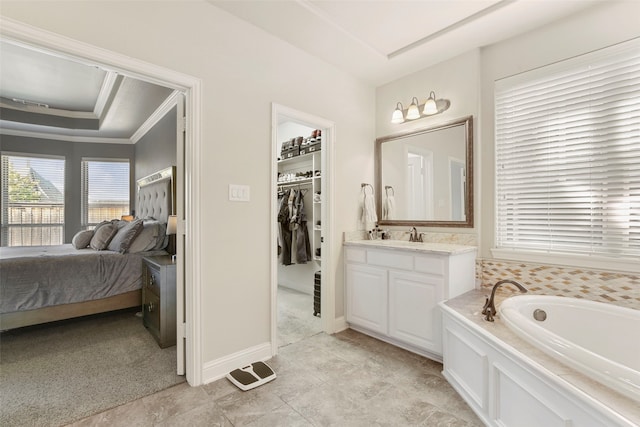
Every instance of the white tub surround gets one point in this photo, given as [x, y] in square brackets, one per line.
[508, 381]
[393, 289]
[597, 339]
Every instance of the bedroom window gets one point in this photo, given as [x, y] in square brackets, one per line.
[105, 190]
[568, 160]
[32, 200]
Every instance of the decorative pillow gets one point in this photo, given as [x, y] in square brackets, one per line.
[162, 240]
[125, 235]
[82, 239]
[152, 237]
[102, 235]
[101, 224]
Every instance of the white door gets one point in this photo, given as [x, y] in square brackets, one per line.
[180, 238]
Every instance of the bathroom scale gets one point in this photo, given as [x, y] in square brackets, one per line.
[251, 376]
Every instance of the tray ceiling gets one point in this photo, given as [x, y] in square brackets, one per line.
[50, 96]
[382, 40]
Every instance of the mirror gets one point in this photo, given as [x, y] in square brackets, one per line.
[425, 177]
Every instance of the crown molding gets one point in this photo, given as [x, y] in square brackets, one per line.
[66, 138]
[37, 109]
[157, 115]
[106, 91]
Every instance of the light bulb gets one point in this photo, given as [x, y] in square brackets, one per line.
[413, 112]
[430, 106]
[398, 114]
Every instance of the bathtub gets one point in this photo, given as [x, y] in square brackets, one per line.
[600, 340]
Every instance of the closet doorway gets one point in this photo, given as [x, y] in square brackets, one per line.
[302, 292]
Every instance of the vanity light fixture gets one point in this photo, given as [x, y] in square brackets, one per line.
[413, 112]
[416, 111]
[430, 107]
[398, 114]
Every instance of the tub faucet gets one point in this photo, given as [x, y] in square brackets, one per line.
[489, 309]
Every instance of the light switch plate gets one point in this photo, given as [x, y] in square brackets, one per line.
[239, 193]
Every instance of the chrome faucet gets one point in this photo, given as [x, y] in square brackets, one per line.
[489, 309]
[414, 236]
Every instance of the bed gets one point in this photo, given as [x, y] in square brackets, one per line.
[48, 283]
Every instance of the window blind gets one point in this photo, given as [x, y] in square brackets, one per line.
[32, 200]
[105, 190]
[568, 156]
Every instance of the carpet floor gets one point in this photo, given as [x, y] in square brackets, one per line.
[60, 372]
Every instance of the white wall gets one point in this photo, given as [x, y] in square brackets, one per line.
[243, 71]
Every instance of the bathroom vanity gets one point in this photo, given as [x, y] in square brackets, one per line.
[393, 289]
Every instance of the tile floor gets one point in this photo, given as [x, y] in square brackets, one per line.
[346, 379]
[295, 317]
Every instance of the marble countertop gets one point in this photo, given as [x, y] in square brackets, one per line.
[426, 247]
[468, 307]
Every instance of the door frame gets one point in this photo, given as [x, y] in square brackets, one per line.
[327, 296]
[192, 88]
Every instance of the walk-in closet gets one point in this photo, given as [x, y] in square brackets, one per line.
[299, 217]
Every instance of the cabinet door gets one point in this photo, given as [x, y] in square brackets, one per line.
[367, 297]
[414, 316]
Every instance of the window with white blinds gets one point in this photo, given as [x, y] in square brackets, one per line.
[568, 156]
[105, 190]
[32, 200]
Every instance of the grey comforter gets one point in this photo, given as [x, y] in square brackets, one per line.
[42, 276]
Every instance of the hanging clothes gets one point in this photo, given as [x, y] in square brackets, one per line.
[303, 245]
[284, 223]
[293, 231]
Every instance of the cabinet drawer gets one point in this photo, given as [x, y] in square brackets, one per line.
[430, 264]
[151, 313]
[391, 259]
[151, 278]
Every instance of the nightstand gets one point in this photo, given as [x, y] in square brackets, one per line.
[159, 298]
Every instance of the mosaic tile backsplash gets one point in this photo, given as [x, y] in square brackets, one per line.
[614, 288]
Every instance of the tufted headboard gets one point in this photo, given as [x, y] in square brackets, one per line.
[156, 195]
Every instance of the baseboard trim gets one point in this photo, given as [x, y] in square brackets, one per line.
[219, 368]
[340, 324]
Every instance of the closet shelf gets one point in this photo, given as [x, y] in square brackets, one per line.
[295, 182]
[300, 158]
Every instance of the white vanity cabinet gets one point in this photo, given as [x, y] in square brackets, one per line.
[414, 316]
[392, 292]
[367, 297]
